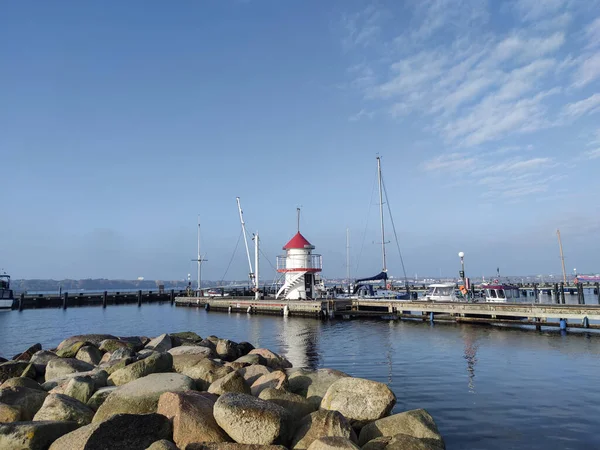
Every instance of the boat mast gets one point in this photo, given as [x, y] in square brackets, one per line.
[199, 261]
[384, 269]
[562, 257]
[348, 255]
[251, 274]
[256, 249]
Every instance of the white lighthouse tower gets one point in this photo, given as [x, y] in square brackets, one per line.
[300, 267]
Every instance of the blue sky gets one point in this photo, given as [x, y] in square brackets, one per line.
[122, 121]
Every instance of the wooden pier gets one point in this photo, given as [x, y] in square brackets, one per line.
[519, 314]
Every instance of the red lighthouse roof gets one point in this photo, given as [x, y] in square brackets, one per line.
[298, 241]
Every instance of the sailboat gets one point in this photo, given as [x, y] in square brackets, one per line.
[363, 287]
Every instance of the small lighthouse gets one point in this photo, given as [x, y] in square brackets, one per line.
[300, 267]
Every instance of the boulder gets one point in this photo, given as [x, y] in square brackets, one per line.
[13, 369]
[318, 425]
[9, 413]
[112, 366]
[71, 350]
[120, 353]
[251, 359]
[120, 432]
[212, 338]
[21, 382]
[60, 367]
[98, 376]
[253, 373]
[359, 400]
[296, 405]
[192, 350]
[206, 372]
[243, 348]
[232, 382]
[227, 350]
[141, 396]
[212, 344]
[417, 423]
[181, 362]
[161, 343]
[333, 443]
[41, 359]
[80, 388]
[99, 396]
[112, 345]
[89, 354]
[32, 435]
[91, 338]
[191, 414]
[274, 361]
[187, 335]
[27, 354]
[145, 353]
[64, 408]
[403, 442]
[232, 446]
[158, 363]
[249, 420]
[27, 399]
[313, 384]
[136, 342]
[275, 380]
[163, 444]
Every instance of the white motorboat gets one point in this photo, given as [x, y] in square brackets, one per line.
[6, 293]
[503, 293]
[442, 292]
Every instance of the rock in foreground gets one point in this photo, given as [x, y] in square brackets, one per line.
[33, 435]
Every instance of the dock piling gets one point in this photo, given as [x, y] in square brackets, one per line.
[21, 301]
[65, 300]
[140, 297]
[562, 293]
[563, 325]
[172, 296]
[104, 299]
[536, 294]
[598, 292]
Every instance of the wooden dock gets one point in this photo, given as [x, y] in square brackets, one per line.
[535, 314]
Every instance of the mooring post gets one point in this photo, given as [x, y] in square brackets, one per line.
[557, 298]
[536, 294]
[65, 300]
[172, 296]
[563, 324]
[586, 322]
[431, 317]
[538, 327]
[140, 297]
[562, 293]
[580, 299]
[598, 291]
[104, 299]
[21, 301]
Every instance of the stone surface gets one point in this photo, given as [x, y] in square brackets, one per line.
[251, 359]
[12, 369]
[60, 367]
[80, 388]
[274, 361]
[9, 413]
[403, 442]
[120, 432]
[27, 399]
[27, 354]
[89, 354]
[187, 335]
[136, 342]
[206, 372]
[141, 396]
[98, 376]
[333, 443]
[359, 400]
[65, 408]
[71, 350]
[191, 414]
[99, 396]
[232, 382]
[249, 420]
[275, 380]
[192, 350]
[318, 425]
[313, 384]
[32, 435]
[163, 444]
[417, 423]
[160, 343]
[181, 362]
[40, 359]
[296, 405]
[112, 345]
[243, 348]
[120, 353]
[227, 350]
[253, 373]
[91, 338]
[232, 446]
[21, 382]
[157, 363]
[112, 366]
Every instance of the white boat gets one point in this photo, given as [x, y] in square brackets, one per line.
[442, 292]
[503, 293]
[6, 293]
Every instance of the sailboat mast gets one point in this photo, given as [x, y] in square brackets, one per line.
[251, 274]
[381, 215]
[199, 257]
[348, 255]
[562, 257]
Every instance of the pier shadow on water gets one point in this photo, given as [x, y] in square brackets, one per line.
[487, 387]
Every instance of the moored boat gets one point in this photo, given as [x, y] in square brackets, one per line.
[442, 292]
[503, 293]
[6, 293]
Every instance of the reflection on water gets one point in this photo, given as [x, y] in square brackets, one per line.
[487, 387]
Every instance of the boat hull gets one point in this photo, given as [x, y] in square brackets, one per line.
[6, 303]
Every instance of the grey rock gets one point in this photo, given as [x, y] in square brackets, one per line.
[41, 359]
[32, 435]
[318, 425]
[181, 362]
[206, 372]
[274, 361]
[251, 359]
[95, 339]
[27, 399]
[99, 396]
[161, 343]
[333, 443]
[9, 413]
[231, 446]
[121, 353]
[98, 376]
[80, 388]
[296, 405]
[60, 367]
[27, 354]
[21, 382]
[64, 408]
[13, 369]
[163, 444]
[253, 373]
[157, 363]
[89, 354]
[275, 380]
[232, 382]
[227, 350]
[192, 350]
[313, 384]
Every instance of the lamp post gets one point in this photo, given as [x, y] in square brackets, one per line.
[461, 255]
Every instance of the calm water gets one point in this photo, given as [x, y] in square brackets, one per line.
[487, 387]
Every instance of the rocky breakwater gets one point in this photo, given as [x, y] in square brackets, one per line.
[180, 391]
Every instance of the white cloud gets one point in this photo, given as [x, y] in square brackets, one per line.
[450, 162]
[588, 71]
[592, 154]
[362, 28]
[589, 105]
[530, 10]
[363, 113]
[592, 32]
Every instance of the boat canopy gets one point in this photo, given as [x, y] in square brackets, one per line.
[380, 276]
